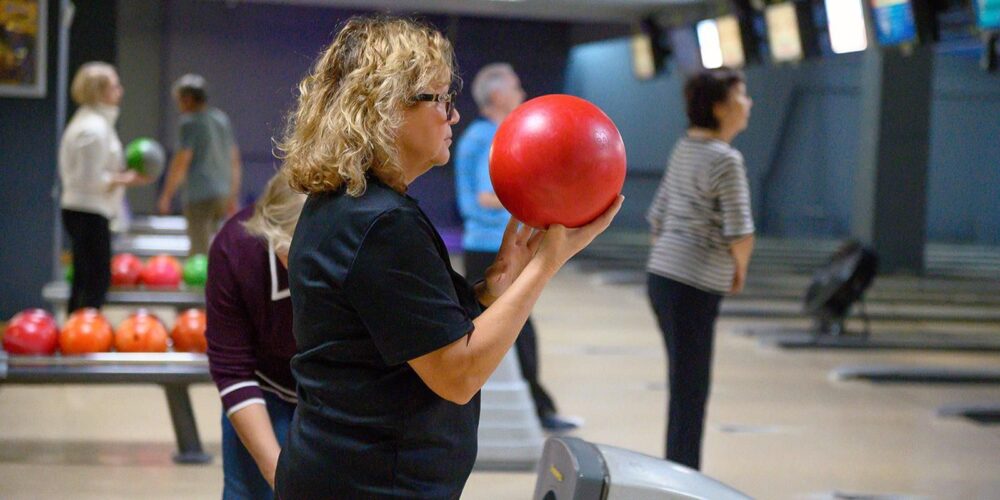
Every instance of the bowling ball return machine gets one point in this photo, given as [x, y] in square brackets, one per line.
[574, 469]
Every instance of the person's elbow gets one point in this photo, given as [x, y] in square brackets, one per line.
[460, 395]
[450, 377]
[458, 387]
[741, 239]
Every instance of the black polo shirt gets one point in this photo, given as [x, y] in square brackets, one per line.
[372, 288]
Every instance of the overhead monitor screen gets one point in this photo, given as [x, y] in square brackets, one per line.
[731, 41]
[846, 20]
[708, 43]
[643, 59]
[988, 12]
[720, 42]
[783, 32]
[894, 23]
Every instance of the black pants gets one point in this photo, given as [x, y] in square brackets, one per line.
[686, 316]
[526, 344]
[90, 240]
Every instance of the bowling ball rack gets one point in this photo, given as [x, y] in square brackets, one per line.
[56, 293]
[174, 372]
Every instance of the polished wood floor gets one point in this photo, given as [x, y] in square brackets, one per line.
[778, 427]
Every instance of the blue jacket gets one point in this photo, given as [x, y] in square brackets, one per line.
[483, 226]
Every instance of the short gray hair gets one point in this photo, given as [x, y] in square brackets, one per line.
[191, 85]
[491, 77]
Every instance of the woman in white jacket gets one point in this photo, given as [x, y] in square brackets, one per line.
[93, 176]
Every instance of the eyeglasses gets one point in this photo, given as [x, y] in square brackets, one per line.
[448, 100]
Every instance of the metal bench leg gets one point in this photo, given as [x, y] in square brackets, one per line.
[182, 417]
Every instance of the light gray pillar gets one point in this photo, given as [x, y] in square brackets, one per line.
[140, 56]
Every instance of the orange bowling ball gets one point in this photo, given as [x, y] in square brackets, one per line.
[85, 331]
[141, 332]
[189, 332]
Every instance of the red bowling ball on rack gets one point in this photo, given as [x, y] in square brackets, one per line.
[557, 159]
[32, 331]
[162, 271]
[125, 270]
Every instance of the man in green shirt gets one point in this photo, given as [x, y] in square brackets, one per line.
[206, 164]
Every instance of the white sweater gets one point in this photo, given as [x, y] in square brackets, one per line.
[90, 154]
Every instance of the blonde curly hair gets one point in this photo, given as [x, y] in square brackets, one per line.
[351, 105]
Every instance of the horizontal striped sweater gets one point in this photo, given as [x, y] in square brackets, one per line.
[701, 207]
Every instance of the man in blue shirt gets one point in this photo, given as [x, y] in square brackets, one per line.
[497, 91]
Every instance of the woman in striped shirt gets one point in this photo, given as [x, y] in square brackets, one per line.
[702, 232]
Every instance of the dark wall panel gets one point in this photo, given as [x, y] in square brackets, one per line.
[27, 174]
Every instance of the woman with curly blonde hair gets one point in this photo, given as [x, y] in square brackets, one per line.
[393, 344]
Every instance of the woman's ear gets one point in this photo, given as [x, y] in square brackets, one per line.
[719, 111]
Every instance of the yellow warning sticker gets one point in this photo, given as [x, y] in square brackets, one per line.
[555, 473]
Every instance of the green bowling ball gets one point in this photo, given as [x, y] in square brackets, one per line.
[196, 270]
[145, 156]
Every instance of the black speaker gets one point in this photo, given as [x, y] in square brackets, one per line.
[650, 49]
[991, 52]
[839, 284]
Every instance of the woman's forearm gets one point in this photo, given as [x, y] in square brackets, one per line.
[498, 327]
[253, 425]
[458, 371]
[741, 250]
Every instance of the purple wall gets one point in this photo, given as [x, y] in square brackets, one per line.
[253, 55]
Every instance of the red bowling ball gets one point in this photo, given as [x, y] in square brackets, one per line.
[32, 331]
[557, 159]
[162, 271]
[125, 270]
